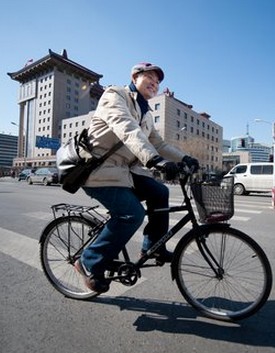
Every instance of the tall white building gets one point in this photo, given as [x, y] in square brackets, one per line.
[52, 89]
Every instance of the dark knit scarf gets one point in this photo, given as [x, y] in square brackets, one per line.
[142, 102]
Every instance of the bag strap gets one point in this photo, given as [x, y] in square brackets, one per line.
[83, 141]
[110, 152]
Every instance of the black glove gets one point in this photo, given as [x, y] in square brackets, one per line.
[192, 163]
[169, 168]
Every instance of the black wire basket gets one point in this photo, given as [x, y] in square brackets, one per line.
[214, 200]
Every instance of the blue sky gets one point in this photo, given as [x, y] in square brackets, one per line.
[218, 55]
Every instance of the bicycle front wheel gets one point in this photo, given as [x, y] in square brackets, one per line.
[61, 245]
[240, 281]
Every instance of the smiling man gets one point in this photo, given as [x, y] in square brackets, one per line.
[124, 179]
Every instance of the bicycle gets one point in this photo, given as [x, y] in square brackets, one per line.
[219, 270]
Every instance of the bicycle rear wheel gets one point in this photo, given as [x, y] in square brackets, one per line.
[244, 281]
[61, 244]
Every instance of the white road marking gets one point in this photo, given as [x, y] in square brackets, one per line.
[26, 250]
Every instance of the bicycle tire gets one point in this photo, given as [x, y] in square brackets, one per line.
[59, 245]
[245, 284]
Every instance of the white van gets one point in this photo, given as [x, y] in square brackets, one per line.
[252, 177]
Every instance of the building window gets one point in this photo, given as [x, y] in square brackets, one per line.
[157, 106]
[185, 116]
[157, 119]
[178, 112]
[192, 119]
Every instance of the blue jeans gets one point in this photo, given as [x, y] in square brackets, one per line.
[127, 215]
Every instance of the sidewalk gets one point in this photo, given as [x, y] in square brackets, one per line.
[8, 178]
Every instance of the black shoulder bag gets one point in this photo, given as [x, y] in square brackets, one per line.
[73, 169]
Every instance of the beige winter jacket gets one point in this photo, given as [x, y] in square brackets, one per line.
[118, 117]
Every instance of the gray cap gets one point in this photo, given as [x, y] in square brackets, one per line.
[141, 67]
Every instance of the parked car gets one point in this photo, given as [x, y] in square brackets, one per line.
[24, 174]
[252, 177]
[45, 176]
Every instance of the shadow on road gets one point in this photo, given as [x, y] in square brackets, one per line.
[174, 317]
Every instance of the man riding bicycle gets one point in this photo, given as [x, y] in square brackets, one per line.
[124, 180]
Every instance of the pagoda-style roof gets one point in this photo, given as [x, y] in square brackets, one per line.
[48, 62]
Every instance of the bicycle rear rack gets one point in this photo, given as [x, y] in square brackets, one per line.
[79, 210]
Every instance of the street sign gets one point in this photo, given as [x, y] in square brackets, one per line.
[47, 142]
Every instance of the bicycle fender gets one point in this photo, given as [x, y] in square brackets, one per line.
[46, 229]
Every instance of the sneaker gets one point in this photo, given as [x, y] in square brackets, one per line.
[161, 257]
[97, 284]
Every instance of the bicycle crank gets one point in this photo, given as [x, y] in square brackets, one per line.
[128, 274]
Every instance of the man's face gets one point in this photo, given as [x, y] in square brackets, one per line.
[147, 83]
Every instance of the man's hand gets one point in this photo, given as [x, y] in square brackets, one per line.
[192, 163]
[169, 168]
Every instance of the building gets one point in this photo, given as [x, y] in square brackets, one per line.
[193, 132]
[243, 149]
[73, 126]
[8, 151]
[57, 96]
[52, 89]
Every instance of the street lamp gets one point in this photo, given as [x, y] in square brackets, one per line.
[24, 142]
[273, 143]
